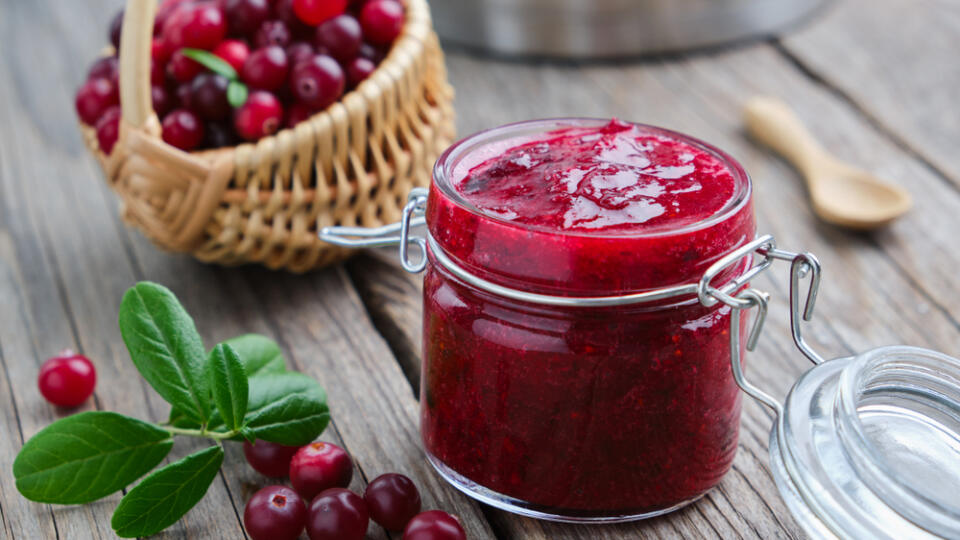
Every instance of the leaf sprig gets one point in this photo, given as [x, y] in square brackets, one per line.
[237, 92]
[240, 390]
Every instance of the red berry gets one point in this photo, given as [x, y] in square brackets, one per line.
[106, 67]
[183, 68]
[298, 113]
[185, 96]
[68, 379]
[160, 99]
[317, 82]
[159, 51]
[234, 51]
[340, 37]
[182, 128]
[273, 33]
[261, 115]
[208, 96]
[314, 12]
[95, 97]
[275, 513]
[382, 21]
[115, 25]
[359, 69]
[201, 26]
[434, 525]
[164, 11]
[283, 10]
[108, 129]
[219, 135]
[337, 514]
[298, 52]
[319, 466]
[266, 68]
[245, 16]
[371, 53]
[269, 459]
[392, 500]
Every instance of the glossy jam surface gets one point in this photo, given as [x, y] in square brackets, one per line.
[615, 179]
[581, 412]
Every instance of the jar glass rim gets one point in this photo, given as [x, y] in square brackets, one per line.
[443, 172]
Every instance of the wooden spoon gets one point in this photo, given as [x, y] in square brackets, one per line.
[841, 193]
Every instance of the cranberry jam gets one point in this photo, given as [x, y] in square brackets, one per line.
[581, 413]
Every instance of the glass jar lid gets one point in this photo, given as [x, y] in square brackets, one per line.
[869, 446]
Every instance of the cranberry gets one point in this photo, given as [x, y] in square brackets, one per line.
[259, 116]
[434, 525]
[164, 11]
[183, 68]
[371, 53]
[392, 500]
[382, 21]
[275, 513]
[317, 82]
[115, 25]
[182, 128]
[95, 97]
[219, 135]
[106, 67]
[234, 52]
[283, 10]
[359, 69]
[272, 33]
[266, 68]
[67, 379]
[245, 16]
[298, 113]
[337, 514]
[108, 129]
[340, 36]
[159, 52]
[299, 51]
[269, 459]
[319, 466]
[314, 12]
[201, 26]
[185, 95]
[160, 99]
[208, 96]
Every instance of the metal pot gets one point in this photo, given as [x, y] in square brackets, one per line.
[606, 28]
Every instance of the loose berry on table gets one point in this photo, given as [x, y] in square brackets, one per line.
[269, 459]
[275, 513]
[67, 379]
[434, 525]
[337, 514]
[392, 500]
[319, 466]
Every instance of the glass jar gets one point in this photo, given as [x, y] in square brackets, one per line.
[599, 413]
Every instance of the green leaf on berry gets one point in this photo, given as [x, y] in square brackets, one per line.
[228, 381]
[90, 455]
[237, 93]
[166, 348]
[287, 408]
[167, 494]
[259, 354]
[211, 61]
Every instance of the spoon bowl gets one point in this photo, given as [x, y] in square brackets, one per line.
[841, 194]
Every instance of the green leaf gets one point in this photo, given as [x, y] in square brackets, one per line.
[229, 384]
[287, 408]
[178, 419]
[247, 434]
[167, 494]
[166, 348]
[90, 455]
[259, 354]
[237, 93]
[211, 61]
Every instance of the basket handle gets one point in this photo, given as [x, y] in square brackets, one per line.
[136, 38]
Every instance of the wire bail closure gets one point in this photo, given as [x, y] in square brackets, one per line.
[735, 294]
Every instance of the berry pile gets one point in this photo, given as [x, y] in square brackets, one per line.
[320, 501]
[229, 70]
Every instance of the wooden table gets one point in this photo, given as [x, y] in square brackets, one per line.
[875, 79]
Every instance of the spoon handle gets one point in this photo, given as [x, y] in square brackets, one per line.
[773, 123]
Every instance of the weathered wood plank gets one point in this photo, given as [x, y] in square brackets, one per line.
[898, 62]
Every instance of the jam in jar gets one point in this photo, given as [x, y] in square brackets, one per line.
[578, 412]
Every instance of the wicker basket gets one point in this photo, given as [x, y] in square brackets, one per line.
[352, 164]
